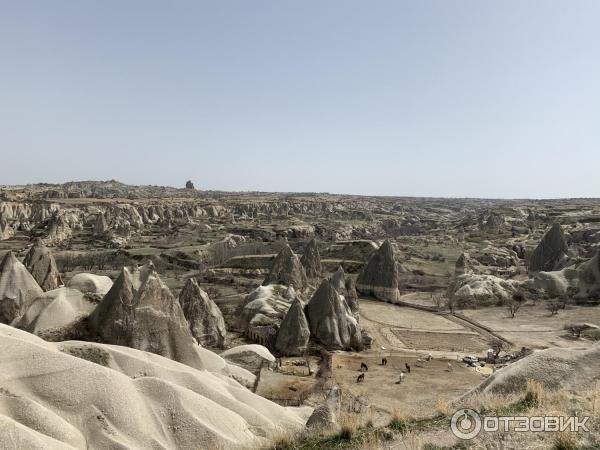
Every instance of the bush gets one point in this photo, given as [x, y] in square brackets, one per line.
[593, 334]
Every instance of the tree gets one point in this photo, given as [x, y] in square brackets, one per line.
[553, 307]
[576, 329]
[498, 345]
[515, 303]
[438, 300]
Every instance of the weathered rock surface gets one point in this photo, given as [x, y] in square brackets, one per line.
[140, 312]
[331, 321]
[263, 310]
[41, 264]
[18, 288]
[82, 393]
[352, 297]
[55, 311]
[294, 331]
[203, 315]
[379, 277]
[325, 414]
[574, 369]
[89, 283]
[311, 260]
[477, 290]
[550, 252]
[338, 280]
[251, 357]
[588, 279]
[287, 270]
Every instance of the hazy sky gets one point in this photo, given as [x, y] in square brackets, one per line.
[436, 98]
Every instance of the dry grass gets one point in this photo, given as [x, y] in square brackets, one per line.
[565, 440]
[348, 423]
[534, 392]
[411, 441]
[442, 407]
[282, 438]
[397, 420]
[370, 422]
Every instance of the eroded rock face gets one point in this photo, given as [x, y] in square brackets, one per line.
[311, 260]
[41, 264]
[325, 414]
[90, 283]
[77, 393]
[18, 288]
[140, 312]
[331, 321]
[550, 252]
[379, 277]
[472, 290]
[464, 264]
[251, 357]
[338, 280]
[54, 312]
[203, 315]
[294, 331]
[6, 231]
[352, 297]
[287, 270]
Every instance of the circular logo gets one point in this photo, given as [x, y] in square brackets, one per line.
[466, 424]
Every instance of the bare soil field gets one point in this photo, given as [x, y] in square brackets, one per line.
[533, 325]
[417, 395]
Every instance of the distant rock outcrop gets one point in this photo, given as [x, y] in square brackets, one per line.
[6, 231]
[203, 315]
[331, 321]
[140, 312]
[18, 288]
[352, 297]
[464, 264]
[311, 260]
[550, 252]
[472, 290]
[189, 184]
[287, 270]
[101, 225]
[294, 331]
[380, 276]
[338, 280]
[588, 277]
[41, 264]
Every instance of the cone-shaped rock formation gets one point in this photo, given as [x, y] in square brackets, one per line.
[311, 260]
[40, 262]
[140, 312]
[203, 315]
[550, 252]
[380, 276]
[331, 321]
[294, 332]
[18, 288]
[287, 270]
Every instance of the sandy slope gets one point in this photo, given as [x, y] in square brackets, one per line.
[127, 399]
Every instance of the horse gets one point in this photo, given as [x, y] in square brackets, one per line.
[384, 361]
[407, 367]
[360, 378]
[364, 367]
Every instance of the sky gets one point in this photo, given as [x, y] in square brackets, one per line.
[469, 98]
